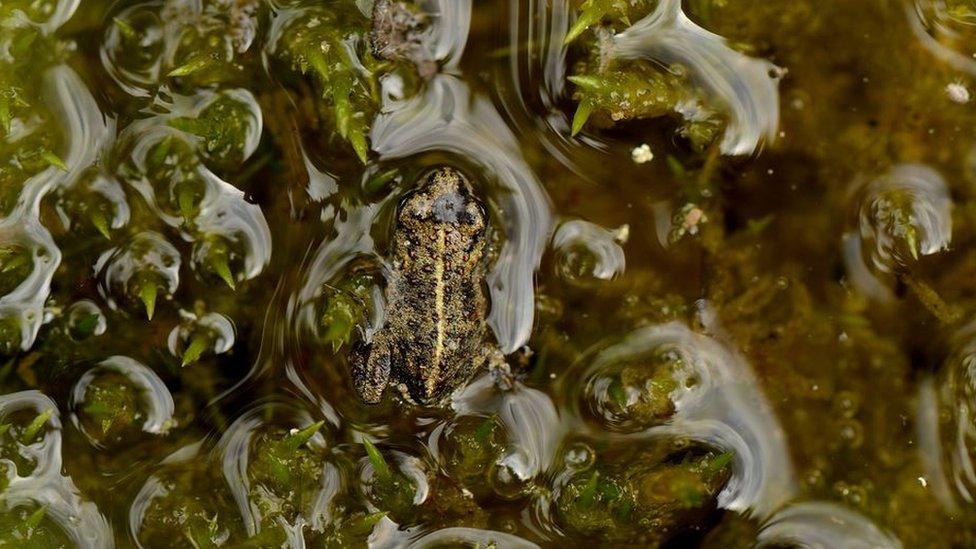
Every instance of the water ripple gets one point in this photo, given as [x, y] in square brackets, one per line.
[746, 86]
[823, 524]
[717, 401]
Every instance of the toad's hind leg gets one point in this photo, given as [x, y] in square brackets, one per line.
[371, 368]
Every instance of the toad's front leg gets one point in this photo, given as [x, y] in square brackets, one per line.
[371, 367]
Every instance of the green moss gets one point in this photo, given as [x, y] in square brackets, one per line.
[29, 528]
[471, 447]
[111, 407]
[329, 45]
[346, 306]
[284, 473]
[223, 127]
[353, 531]
[618, 90]
[388, 488]
[642, 498]
[192, 510]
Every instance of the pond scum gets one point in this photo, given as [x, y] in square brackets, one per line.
[732, 254]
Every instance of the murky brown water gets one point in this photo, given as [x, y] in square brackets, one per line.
[730, 264]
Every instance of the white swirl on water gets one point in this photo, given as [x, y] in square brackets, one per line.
[746, 86]
[63, 10]
[935, 29]
[948, 448]
[119, 266]
[154, 395]
[449, 117]
[858, 271]
[930, 214]
[86, 132]
[530, 419]
[930, 449]
[723, 407]
[602, 244]
[108, 187]
[448, 30]
[467, 537]
[223, 211]
[538, 45]
[82, 310]
[192, 106]
[816, 524]
[217, 325]
[136, 81]
[352, 240]
[155, 488]
[46, 485]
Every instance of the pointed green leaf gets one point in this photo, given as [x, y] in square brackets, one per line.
[35, 518]
[101, 223]
[912, 240]
[193, 65]
[125, 28]
[484, 430]
[376, 459]
[295, 440]
[617, 393]
[587, 495]
[583, 112]
[220, 266]
[586, 82]
[587, 18]
[358, 142]
[186, 203]
[720, 461]
[195, 350]
[86, 326]
[147, 293]
[54, 160]
[35, 426]
[364, 525]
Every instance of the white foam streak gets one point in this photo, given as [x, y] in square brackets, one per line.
[448, 31]
[470, 537]
[818, 524]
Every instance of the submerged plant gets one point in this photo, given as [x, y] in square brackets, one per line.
[617, 90]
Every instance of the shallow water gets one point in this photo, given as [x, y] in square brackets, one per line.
[745, 319]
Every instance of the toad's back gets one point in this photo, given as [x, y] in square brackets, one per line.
[437, 305]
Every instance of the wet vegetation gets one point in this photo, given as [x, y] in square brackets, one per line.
[730, 269]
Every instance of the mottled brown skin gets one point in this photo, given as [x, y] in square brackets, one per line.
[397, 34]
[436, 334]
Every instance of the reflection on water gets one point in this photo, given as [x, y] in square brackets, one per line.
[198, 236]
[716, 401]
[745, 86]
[820, 524]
